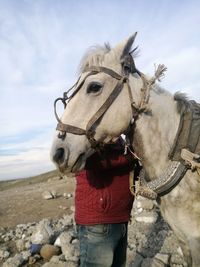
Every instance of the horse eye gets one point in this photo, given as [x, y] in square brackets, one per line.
[94, 88]
[126, 69]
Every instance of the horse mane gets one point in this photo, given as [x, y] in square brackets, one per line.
[182, 101]
[94, 56]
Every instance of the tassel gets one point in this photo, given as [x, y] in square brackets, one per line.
[160, 72]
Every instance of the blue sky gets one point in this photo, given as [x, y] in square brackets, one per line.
[42, 42]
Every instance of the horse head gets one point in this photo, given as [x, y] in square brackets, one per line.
[98, 109]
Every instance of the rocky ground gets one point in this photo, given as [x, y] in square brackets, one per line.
[37, 227]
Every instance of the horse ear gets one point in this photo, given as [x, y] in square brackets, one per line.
[124, 48]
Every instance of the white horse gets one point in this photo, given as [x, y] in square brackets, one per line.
[112, 97]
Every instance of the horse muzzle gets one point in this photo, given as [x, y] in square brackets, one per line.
[66, 161]
[59, 156]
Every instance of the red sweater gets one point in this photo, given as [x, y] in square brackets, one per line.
[102, 190]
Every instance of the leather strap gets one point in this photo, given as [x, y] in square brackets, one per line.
[108, 71]
[171, 176]
[70, 129]
[188, 134]
[132, 183]
[98, 115]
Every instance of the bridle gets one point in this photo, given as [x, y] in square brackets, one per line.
[93, 122]
[123, 79]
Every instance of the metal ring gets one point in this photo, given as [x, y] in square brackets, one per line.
[55, 102]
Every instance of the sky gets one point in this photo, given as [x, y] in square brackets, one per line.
[42, 43]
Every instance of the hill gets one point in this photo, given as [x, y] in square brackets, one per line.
[30, 180]
[22, 201]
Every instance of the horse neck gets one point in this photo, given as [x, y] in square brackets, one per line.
[155, 132]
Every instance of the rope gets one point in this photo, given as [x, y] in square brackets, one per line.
[159, 74]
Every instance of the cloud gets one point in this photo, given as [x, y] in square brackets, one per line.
[42, 42]
[26, 164]
[183, 72]
[24, 157]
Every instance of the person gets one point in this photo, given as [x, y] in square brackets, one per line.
[103, 204]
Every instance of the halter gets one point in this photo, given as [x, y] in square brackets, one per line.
[93, 122]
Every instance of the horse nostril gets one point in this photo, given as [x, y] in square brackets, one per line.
[59, 155]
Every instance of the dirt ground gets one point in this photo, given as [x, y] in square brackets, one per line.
[22, 201]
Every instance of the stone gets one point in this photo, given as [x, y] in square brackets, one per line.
[147, 217]
[131, 246]
[15, 261]
[57, 242]
[75, 241]
[179, 251]
[63, 207]
[63, 238]
[149, 262]
[32, 259]
[138, 211]
[55, 259]
[163, 258]
[4, 254]
[145, 204]
[137, 260]
[47, 251]
[20, 244]
[67, 195]
[176, 259]
[7, 238]
[68, 220]
[71, 259]
[43, 233]
[72, 264]
[54, 193]
[64, 241]
[23, 236]
[57, 264]
[47, 195]
[27, 244]
[25, 255]
[146, 263]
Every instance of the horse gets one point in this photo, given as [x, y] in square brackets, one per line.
[112, 97]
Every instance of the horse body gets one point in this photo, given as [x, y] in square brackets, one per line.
[153, 139]
[155, 132]
[154, 135]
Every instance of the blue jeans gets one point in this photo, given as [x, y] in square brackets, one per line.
[103, 245]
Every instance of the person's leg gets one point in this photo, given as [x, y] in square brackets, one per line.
[119, 258]
[96, 245]
[103, 245]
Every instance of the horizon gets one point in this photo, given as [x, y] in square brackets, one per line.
[42, 43]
